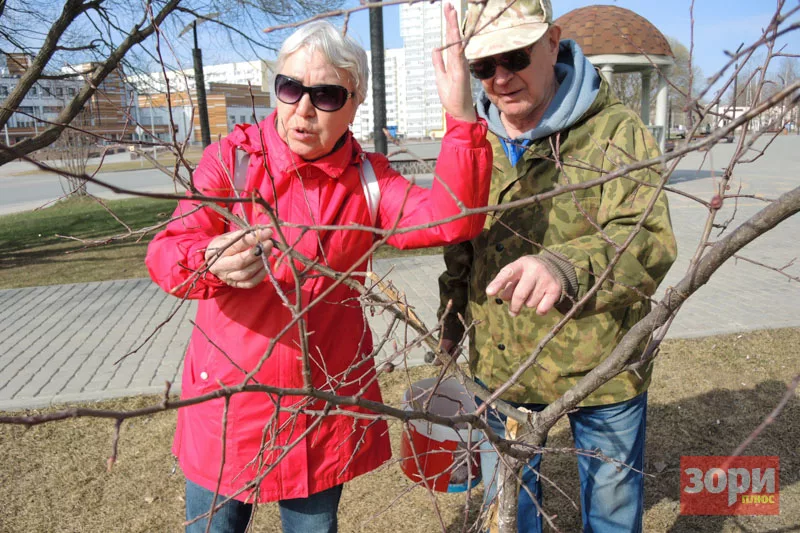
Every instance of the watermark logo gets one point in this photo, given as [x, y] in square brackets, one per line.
[726, 485]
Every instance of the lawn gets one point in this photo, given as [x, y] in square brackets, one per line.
[34, 249]
[707, 396]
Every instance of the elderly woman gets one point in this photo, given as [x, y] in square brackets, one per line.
[303, 161]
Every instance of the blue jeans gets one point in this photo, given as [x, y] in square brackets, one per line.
[612, 496]
[315, 514]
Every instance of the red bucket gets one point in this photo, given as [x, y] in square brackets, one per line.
[440, 457]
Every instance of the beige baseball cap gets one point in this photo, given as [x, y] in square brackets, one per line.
[497, 26]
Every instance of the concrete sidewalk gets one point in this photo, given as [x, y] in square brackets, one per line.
[67, 343]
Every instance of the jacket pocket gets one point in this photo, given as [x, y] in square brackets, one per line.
[585, 343]
[211, 366]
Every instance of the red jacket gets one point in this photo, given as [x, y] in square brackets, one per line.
[238, 325]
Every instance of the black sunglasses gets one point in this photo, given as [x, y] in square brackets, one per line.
[513, 61]
[324, 97]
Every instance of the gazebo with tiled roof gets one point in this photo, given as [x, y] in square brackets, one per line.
[618, 40]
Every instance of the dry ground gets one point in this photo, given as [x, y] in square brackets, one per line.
[708, 394]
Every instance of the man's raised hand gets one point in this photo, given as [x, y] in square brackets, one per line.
[452, 80]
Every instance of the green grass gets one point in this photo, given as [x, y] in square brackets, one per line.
[387, 252]
[33, 254]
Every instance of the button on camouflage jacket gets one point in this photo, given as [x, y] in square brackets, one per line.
[565, 227]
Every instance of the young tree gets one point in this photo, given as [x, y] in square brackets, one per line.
[73, 150]
[685, 80]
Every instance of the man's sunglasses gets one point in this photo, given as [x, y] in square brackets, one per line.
[513, 61]
[324, 97]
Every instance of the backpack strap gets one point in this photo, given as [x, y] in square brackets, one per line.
[241, 162]
[238, 178]
[372, 191]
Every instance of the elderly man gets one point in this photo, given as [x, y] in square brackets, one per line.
[555, 122]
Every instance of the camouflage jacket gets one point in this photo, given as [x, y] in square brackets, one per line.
[607, 136]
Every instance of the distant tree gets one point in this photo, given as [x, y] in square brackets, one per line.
[759, 79]
[686, 79]
[73, 150]
[682, 75]
[747, 83]
[628, 88]
[788, 72]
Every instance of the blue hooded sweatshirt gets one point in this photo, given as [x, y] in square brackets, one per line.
[579, 84]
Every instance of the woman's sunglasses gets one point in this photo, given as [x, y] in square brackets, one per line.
[327, 98]
[513, 61]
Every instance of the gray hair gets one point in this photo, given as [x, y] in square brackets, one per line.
[341, 51]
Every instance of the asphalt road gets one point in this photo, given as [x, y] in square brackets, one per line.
[22, 193]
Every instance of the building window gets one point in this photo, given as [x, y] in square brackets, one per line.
[71, 91]
[59, 91]
[3, 90]
[243, 119]
[34, 90]
[233, 119]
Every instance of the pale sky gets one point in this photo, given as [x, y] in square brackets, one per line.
[719, 24]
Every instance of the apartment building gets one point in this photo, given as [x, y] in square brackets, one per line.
[228, 104]
[108, 113]
[236, 93]
[259, 74]
[421, 27]
[394, 66]
[413, 108]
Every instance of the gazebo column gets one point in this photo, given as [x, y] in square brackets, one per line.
[646, 74]
[661, 106]
[607, 71]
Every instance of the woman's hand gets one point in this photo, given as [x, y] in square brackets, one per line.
[234, 257]
[453, 81]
